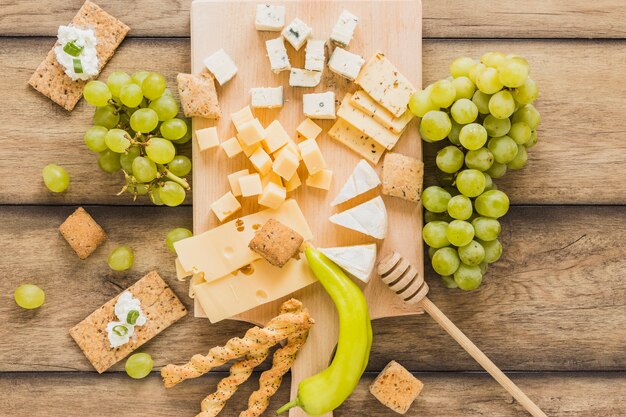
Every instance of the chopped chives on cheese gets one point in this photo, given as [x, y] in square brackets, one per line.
[343, 31]
[345, 63]
[269, 18]
[277, 53]
[267, 97]
[296, 33]
[319, 105]
[346, 134]
[221, 66]
[315, 56]
[304, 78]
[225, 206]
[232, 147]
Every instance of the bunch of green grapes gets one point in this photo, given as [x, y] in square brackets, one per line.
[136, 131]
[485, 110]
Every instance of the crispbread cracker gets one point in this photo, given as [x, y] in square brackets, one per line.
[50, 79]
[396, 388]
[198, 95]
[159, 304]
[402, 177]
[82, 233]
[276, 243]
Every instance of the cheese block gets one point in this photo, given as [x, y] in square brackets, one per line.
[285, 164]
[250, 185]
[181, 274]
[277, 53]
[233, 180]
[207, 138]
[315, 55]
[261, 161]
[357, 260]
[267, 97]
[321, 180]
[296, 33]
[362, 179]
[369, 218]
[275, 137]
[308, 129]
[344, 29]
[367, 105]
[221, 66]
[384, 83]
[251, 133]
[319, 105]
[312, 156]
[273, 195]
[269, 18]
[241, 117]
[345, 63]
[231, 147]
[304, 78]
[366, 124]
[271, 177]
[344, 133]
[224, 249]
[293, 183]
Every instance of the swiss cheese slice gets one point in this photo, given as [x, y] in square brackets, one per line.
[357, 260]
[367, 105]
[362, 179]
[369, 218]
[346, 134]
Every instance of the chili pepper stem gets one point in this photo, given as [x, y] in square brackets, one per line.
[288, 406]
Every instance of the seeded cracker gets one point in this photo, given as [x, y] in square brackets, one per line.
[50, 79]
[402, 177]
[276, 243]
[158, 302]
[82, 233]
[198, 96]
[396, 388]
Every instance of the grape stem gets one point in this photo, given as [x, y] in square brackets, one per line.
[181, 181]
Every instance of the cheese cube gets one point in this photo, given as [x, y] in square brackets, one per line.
[297, 33]
[275, 137]
[242, 117]
[251, 132]
[221, 66]
[312, 156]
[309, 129]
[248, 150]
[319, 106]
[271, 177]
[293, 183]
[261, 161]
[277, 53]
[269, 18]
[320, 180]
[315, 55]
[250, 185]
[268, 98]
[207, 138]
[225, 206]
[233, 180]
[304, 78]
[293, 148]
[285, 164]
[232, 147]
[344, 29]
[345, 63]
[273, 196]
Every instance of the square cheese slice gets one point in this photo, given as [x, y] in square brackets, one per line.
[308, 129]
[221, 66]
[275, 137]
[207, 138]
[261, 161]
[251, 132]
[232, 147]
[225, 206]
[250, 185]
[312, 156]
[367, 124]
[319, 105]
[321, 180]
[233, 180]
[361, 144]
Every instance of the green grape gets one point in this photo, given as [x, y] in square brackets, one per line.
[155, 198]
[449, 159]
[144, 170]
[172, 194]
[520, 159]
[166, 107]
[186, 137]
[420, 103]
[94, 138]
[109, 161]
[443, 93]
[127, 158]
[489, 184]
[486, 228]
[481, 100]
[532, 141]
[116, 81]
[464, 88]
[473, 136]
[97, 93]
[121, 258]
[492, 203]
[431, 252]
[461, 66]
[435, 125]
[493, 250]
[472, 253]
[175, 235]
[139, 189]
[131, 95]
[480, 159]
[55, 178]
[503, 149]
[29, 296]
[144, 120]
[493, 59]
[487, 81]
[106, 116]
[496, 127]
[139, 76]
[153, 86]
[528, 114]
[520, 132]
[173, 129]
[446, 261]
[139, 365]
[160, 150]
[435, 199]
[180, 166]
[429, 216]
[453, 136]
[464, 111]
[470, 182]
[484, 266]
[434, 234]
[460, 207]
[475, 70]
[459, 232]
[501, 104]
[497, 170]
[117, 140]
[449, 282]
[512, 73]
[527, 93]
[468, 277]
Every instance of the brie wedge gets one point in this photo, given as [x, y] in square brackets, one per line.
[357, 260]
[369, 218]
[362, 179]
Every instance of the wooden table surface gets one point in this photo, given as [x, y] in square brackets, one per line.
[552, 312]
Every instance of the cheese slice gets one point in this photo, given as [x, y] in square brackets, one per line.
[369, 218]
[181, 274]
[362, 179]
[367, 105]
[366, 124]
[224, 249]
[344, 133]
[357, 260]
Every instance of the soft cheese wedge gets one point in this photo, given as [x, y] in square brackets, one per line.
[357, 260]
[362, 179]
[369, 218]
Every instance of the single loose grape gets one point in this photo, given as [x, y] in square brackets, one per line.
[144, 169]
[435, 199]
[480, 159]
[131, 95]
[153, 86]
[488, 82]
[468, 277]
[420, 103]
[497, 170]
[527, 93]
[109, 161]
[473, 136]
[446, 261]
[56, 178]
[472, 253]
[470, 182]
[464, 88]
[520, 132]
[172, 194]
[97, 93]
[496, 127]
[449, 159]
[461, 66]
[435, 125]
[160, 150]
[29, 296]
[116, 81]
[486, 229]
[501, 104]
[127, 158]
[521, 159]
[464, 111]
[94, 138]
[179, 166]
[165, 107]
[481, 100]
[448, 282]
[139, 365]
[144, 120]
[512, 73]
[434, 234]
[493, 59]
[492, 203]
[493, 250]
[117, 140]
[503, 149]
[175, 235]
[528, 114]
[121, 258]
[173, 129]
[460, 207]
[443, 93]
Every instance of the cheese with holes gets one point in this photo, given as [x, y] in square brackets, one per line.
[367, 105]
[277, 53]
[319, 105]
[296, 33]
[225, 206]
[345, 63]
[362, 179]
[304, 78]
[273, 195]
[261, 161]
[275, 137]
[357, 260]
[343, 31]
[366, 124]
[315, 55]
[233, 180]
[369, 218]
[312, 156]
[207, 138]
[241, 117]
[308, 129]
[231, 147]
[269, 18]
[344, 133]
[251, 132]
[321, 180]
[267, 97]
[285, 164]
[221, 66]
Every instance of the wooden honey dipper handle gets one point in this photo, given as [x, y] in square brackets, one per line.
[399, 275]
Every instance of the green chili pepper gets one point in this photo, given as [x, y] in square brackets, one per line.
[328, 389]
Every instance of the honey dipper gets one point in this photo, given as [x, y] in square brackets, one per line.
[402, 278]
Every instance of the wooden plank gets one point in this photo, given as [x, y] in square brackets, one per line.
[556, 296]
[442, 19]
[444, 394]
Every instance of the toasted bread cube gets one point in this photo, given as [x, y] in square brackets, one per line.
[293, 183]
[285, 164]
[233, 180]
[309, 129]
[275, 137]
[250, 185]
[320, 180]
[225, 206]
[242, 117]
[402, 177]
[251, 132]
[276, 243]
[207, 138]
[312, 156]
[232, 147]
[396, 388]
[273, 195]
[82, 233]
[293, 148]
[261, 161]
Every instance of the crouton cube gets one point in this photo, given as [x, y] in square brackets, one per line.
[82, 233]
[396, 388]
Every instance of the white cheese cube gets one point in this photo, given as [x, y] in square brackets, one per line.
[250, 185]
[304, 78]
[277, 53]
[269, 18]
[233, 180]
[345, 63]
[273, 196]
[268, 98]
[221, 66]
[344, 29]
[319, 106]
[297, 33]
[315, 55]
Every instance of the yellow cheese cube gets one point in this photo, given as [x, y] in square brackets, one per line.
[207, 138]
[275, 137]
[293, 148]
[247, 150]
[251, 132]
[250, 185]
[273, 196]
[271, 177]
[320, 180]
[293, 183]
[312, 156]
[309, 129]
[285, 164]
[233, 180]
[261, 161]
[242, 117]
[232, 147]
[225, 206]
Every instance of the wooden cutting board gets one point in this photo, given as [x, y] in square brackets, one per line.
[391, 27]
